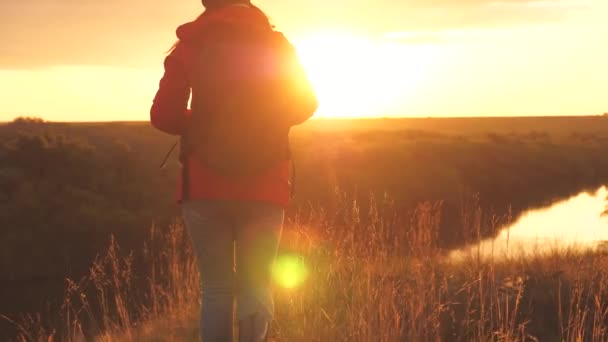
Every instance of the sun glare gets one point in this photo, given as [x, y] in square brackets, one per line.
[357, 76]
[289, 271]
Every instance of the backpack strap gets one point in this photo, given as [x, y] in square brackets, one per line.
[185, 161]
[292, 188]
[163, 164]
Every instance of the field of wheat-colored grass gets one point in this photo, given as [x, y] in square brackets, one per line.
[374, 274]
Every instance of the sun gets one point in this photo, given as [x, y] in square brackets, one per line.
[358, 76]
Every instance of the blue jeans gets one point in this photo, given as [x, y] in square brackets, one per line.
[236, 244]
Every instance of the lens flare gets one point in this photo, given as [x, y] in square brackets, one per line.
[289, 271]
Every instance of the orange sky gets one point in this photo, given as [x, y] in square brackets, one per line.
[101, 60]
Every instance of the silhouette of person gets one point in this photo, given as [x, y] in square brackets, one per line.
[234, 218]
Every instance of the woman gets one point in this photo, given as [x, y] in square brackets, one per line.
[235, 222]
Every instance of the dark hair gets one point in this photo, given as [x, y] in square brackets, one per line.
[208, 10]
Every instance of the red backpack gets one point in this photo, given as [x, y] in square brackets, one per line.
[248, 89]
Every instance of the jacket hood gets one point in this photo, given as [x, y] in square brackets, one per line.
[237, 16]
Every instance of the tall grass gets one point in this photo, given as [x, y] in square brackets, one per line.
[375, 274]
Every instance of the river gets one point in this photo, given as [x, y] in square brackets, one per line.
[577, 223]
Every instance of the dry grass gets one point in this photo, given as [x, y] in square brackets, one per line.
[375, 275]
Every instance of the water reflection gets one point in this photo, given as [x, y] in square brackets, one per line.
[574, 223]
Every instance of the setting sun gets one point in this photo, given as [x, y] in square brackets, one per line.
[294, 171]
[367, 59]
[357, 76]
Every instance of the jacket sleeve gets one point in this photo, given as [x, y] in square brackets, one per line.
[302, 103]
[169, 112]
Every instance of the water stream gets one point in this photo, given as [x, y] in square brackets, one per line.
[575, 223]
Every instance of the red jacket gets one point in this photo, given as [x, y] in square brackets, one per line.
[170, 113]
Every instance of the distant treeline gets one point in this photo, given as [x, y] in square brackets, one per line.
[66, 188]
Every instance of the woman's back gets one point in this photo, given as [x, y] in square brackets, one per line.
[248, 88]
[236, 127]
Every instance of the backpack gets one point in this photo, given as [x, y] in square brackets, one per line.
[243, 85]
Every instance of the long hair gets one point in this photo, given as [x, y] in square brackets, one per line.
[259, 11]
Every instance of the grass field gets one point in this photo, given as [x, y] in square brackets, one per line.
[380, 203]
[385, 280]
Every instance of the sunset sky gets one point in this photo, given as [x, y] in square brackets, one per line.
[91, 60]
